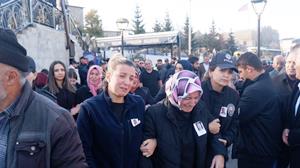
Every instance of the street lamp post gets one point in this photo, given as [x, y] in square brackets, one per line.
[258, 7]
[122, 24]
[190, 29]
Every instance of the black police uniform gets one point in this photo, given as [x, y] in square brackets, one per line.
[223, 106]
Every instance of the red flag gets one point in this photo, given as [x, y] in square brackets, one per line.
[244, 7]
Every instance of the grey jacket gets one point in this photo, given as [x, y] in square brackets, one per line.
[42, 135]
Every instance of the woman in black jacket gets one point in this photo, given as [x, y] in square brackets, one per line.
[59, 86]
[180, 125]
[220, 99]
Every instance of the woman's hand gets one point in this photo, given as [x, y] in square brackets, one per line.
[218, 162]
[75, 110]
[214, 126]
[148, 147]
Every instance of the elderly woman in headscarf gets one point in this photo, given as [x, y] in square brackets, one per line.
[94, 84]
[180, 125]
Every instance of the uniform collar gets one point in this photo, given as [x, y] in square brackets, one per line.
[210, 88]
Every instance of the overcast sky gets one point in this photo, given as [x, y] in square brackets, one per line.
[281, 15]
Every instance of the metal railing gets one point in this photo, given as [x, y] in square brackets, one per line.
[19, 14]
[15, 14]
[45, 13]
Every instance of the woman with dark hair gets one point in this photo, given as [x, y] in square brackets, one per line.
[94, 84]
[59, 85]
[110, 124]
[180, 124]
[73, 78]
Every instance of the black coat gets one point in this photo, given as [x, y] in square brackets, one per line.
[294, 134]
[160, 123]
[64, 98]
[84, 93]
[214, 101]
[259, 118]
[144, 92]
[285, 92]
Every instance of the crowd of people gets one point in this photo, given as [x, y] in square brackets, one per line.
[132, 114]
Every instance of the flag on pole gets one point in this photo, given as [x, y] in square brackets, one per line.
[244, 7]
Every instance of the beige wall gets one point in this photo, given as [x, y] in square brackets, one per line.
[246, 37]
[77, 14]
[45, 45]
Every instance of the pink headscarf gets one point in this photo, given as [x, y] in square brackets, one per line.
[94, 86]
[180, 85]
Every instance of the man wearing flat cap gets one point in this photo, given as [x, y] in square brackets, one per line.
[34, 132]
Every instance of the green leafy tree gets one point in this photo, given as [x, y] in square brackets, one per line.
[230, 43]
[167, 24]
[185, 37]
[157, 27]
[138, 26]
[93, 24]
[213, 40]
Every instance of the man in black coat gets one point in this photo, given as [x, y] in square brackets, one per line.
[284, 84]
[291, 135]
[260, 124]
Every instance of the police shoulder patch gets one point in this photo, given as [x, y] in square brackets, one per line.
[230, 109]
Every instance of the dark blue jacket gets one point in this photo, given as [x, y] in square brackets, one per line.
[260, 120]
[107, 142]
[214, 101]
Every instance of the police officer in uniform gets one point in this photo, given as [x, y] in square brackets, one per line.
[220, 99]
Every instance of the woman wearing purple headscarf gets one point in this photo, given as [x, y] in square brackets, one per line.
[180, 126]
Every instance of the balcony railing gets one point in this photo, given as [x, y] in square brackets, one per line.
[15, 14]
[19, 14]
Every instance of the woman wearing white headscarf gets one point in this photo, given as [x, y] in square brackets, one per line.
[180, 125]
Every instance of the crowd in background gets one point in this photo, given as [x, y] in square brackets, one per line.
[180, 113]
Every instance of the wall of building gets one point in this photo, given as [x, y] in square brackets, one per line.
[46, 45]
[77, 14]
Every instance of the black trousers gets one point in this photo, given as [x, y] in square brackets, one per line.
[284, 157]
[295, 159]
[256, 162]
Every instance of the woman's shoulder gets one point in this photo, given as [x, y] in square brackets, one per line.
[157, 108]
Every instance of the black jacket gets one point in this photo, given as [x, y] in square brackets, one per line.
[64, 98]
[84, 93]
[294, 127]
[160, 123]
[228, 99]
[108, 143]
[259, 119]
[144, 92]
[285, 92]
